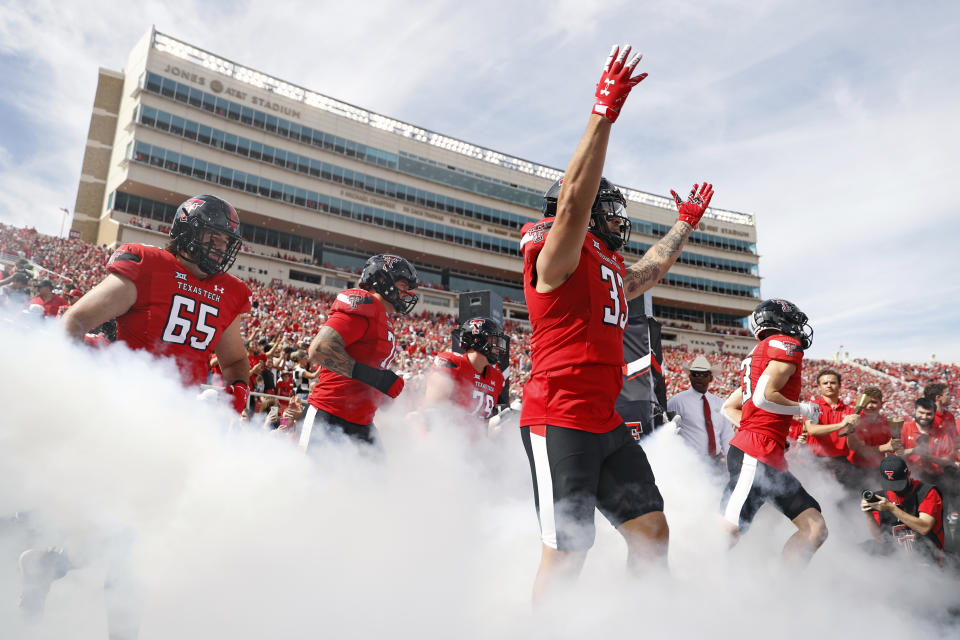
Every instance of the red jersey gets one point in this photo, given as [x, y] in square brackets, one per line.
[51, 306]
[763, 434]
[367, 332]
[939, 443]
[947, 419]
[873, 431]
[576, 345]
[476, 392]
[831, 445]
[176, 313]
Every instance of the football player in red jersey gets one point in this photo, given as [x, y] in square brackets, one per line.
[471, 380]
[355, 348]
[178, 301]
[764, 407]
[582, 456]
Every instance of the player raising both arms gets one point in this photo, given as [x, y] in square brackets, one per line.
[764, 407]
[355, 348]
[471, 380]
[178, 301]
[582, 456]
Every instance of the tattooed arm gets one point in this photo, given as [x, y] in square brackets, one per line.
[656, 262]
[330, 352]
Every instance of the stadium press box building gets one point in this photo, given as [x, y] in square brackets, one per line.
[321, 184]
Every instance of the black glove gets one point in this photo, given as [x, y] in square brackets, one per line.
[383, 380]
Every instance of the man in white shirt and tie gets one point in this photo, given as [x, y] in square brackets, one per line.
[702, 426]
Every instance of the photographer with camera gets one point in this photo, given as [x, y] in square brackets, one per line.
[907, 512]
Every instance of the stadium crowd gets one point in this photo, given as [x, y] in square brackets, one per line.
[284, 319]
[290, 317]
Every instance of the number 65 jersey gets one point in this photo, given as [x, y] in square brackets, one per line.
[176, 313]
[763, 434]
[577, 341]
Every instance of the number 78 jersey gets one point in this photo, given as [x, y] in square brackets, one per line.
[476, 393]
[176, 313]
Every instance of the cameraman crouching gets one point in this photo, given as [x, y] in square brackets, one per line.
[907, 514]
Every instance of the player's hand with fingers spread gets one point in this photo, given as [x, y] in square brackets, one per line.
[697, 202]
[616, 82]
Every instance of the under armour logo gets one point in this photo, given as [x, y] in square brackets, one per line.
[606, 90]
[218, 288]
[179, 276]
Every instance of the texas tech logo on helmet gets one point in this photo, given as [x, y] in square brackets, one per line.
[889, 474]
[190, 205]
[476, 325]
[391, 260]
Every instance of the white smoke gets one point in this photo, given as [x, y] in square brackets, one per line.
[233, 533]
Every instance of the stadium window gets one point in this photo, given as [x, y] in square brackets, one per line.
[246, 115]
[190, 130]
[226, 176]
[267, 155]
[233, 111]
[209, 103]
[271, 123]
[204, 134]
[176, 125]
[283, 127]
[168, 88]
[163, 121]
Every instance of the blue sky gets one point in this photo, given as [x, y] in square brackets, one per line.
[835, 123]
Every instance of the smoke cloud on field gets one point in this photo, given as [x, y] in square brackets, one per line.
[231, 532]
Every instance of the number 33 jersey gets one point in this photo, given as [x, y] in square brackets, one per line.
[176, 313]
[476, 392]
[362, 322]
[577, 341]
[763, 434]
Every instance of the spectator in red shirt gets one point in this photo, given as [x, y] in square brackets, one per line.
[828, 438]
[931, 450]
[940, 394]
[47, 299]
[907, 512]
[870, 440]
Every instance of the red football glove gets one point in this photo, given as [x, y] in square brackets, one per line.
[615, 83]
[239, 393]
[697, 202]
